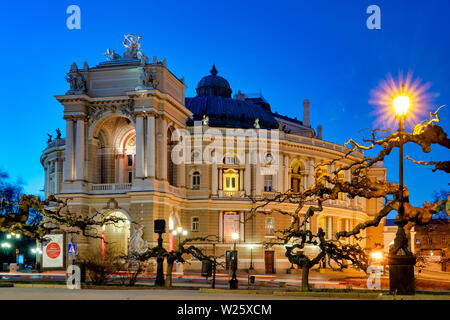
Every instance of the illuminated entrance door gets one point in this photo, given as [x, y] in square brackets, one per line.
[269, 261]
[230, 182]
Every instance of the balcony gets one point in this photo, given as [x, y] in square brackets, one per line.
[106, 188]
[231, 194]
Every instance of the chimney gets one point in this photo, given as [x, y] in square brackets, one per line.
[306, 118]
[319, 132]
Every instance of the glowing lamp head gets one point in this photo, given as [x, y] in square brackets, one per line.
[401, 105]
[377, 255]
[251, 246]
[174, 232]
[235, 236]
[179, 229]
[184, 233]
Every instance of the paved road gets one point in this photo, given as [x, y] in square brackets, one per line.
[66, 294]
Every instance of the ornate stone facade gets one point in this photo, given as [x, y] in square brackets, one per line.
[117, 158]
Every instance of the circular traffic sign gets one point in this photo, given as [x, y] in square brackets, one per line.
[53, 250]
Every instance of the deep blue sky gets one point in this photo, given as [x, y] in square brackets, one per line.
[289, 50]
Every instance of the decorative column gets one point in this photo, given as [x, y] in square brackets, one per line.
[56, 176]
[214, 177]
[220, 179]
[47, 174]
[248, 175]
[140, 146]
[151, 152]
[330, 227]
[310, 172]
[220, 226]
[120, 167]
[280, 174]
[258, 185]
[80, 150]
[163, 153]
[286, 173]
[68, 165]
[241, 180]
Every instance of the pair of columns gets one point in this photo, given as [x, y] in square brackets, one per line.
[55, 177]
[146, 148]
[74, 167]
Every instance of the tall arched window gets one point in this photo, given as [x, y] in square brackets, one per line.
[196, 180]
[297, 177]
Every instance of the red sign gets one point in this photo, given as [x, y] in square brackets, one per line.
[53, 250]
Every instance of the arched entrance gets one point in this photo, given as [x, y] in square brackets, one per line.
[116, 235]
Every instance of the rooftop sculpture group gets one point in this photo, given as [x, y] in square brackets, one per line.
[132, 52]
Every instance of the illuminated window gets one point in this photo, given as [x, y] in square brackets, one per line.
[196, 180]
[270, 226]
[297, 177]
[341, 178]
[230, 225]
[321, 170]
[230, 160]
[195, 225]
[268, 181]
[230, 181]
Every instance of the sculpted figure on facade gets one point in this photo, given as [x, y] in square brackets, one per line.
[76, 81]
[111, 55]
[131, 42]
[137, 243]
[148, 81]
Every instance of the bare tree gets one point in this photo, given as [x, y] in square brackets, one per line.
[328, 186]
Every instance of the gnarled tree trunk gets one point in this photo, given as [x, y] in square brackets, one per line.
[168, 280]
[305, 278]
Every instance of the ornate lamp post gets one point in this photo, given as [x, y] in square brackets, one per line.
[251, 257]
[160, 228]
[401, 261]
[234, 280]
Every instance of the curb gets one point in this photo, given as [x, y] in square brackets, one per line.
[37, 285]
[354, 295]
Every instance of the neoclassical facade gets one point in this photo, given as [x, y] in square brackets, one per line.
[136, 147]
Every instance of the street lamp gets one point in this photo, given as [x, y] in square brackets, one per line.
[251, 257]
[180, 232]
[6, 245]
[234, 280]
[401, 261]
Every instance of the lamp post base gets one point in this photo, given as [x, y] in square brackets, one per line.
[233, 283]
[401, 274]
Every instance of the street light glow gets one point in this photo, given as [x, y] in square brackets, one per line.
[6, 245]
[394, 98]
[401, 105]
[235, 236]
[184, 232]
[377, 255]
[179, 229]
